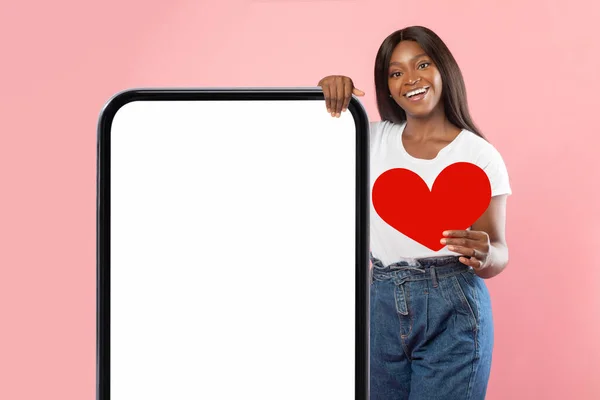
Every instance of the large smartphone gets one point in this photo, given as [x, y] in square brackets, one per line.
[232, 246]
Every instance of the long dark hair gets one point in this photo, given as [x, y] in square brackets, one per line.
[454, 94]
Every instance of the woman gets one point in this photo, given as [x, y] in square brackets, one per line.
[431, 320]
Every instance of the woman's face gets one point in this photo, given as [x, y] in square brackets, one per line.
[414, 81]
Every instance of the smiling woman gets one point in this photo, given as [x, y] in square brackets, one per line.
[424, 89]
[431, 320]
[416, 55]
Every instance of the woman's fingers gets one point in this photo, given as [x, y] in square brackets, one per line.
[472, 245]
[340, 82]
[471, 262]
[475, 244]
[324, 84]
[338, 91]
[475, 235]
[327, 92]
[457, 233]
[467, 251]
[471, 257]
[348, 88]
[474, 253]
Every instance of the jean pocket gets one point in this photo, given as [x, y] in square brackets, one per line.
[466, 293]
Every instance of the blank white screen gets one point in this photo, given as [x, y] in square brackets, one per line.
[232, 251]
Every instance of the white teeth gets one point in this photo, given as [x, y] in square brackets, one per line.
[415, 92]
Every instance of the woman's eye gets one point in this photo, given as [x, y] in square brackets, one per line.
[424, 65]
[395, 74]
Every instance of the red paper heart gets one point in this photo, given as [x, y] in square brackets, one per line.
[460, 195]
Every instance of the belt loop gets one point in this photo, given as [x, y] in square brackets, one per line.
[433, 276]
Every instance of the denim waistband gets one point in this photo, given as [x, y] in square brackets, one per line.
[423, 268]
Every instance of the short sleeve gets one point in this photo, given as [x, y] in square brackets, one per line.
[497, 173]
[374, 127]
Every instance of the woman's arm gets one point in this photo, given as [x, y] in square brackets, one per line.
[493, 222]
[483, 247]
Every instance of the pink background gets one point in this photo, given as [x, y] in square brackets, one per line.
[531, 70]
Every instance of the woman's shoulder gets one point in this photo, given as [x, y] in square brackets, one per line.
[479, 148]
[374, 125]
[382, 125]
[485, 155]
[477, 141]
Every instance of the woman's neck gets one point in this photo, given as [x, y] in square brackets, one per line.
[433, 126]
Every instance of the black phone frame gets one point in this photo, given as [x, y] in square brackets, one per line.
[362, 277]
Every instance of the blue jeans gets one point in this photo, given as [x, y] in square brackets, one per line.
[431, 331]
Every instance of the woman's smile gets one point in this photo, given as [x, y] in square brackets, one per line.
[417, 94]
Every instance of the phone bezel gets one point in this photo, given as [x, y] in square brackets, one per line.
[230, 94]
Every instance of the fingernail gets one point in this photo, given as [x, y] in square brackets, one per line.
[451, 248]
[445, 233]
[443, 241]
[344, 110]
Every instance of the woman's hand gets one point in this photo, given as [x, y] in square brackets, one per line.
[475, 245]
[338, 91]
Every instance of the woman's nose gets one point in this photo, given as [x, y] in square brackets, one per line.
[412, 80]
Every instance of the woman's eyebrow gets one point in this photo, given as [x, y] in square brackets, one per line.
[412, 59]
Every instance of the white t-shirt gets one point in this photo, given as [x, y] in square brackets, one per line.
[387, 152]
